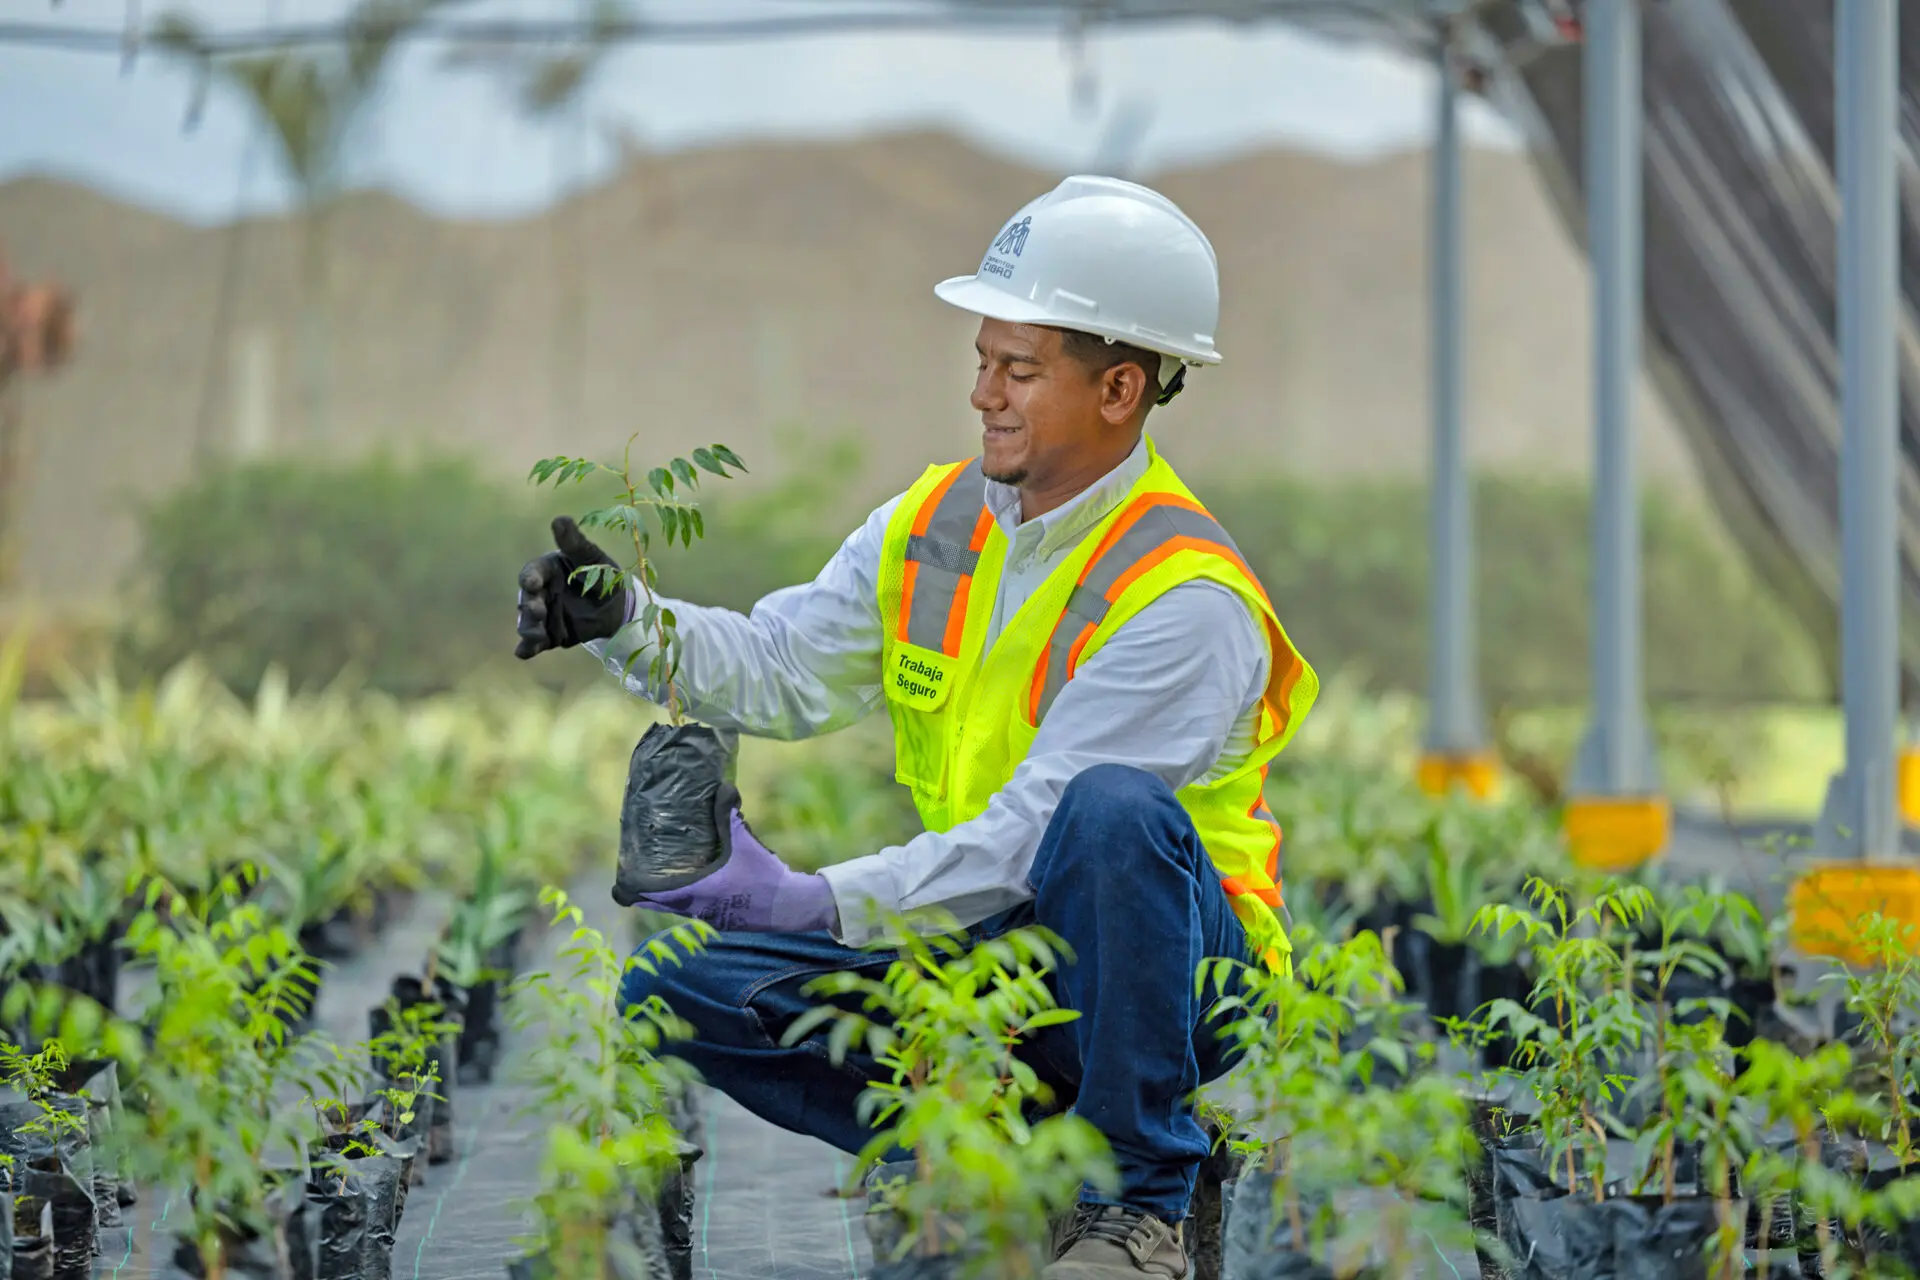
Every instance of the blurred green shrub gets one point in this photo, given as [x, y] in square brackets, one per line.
[400, 572]
[1346, 565]
[403, 571]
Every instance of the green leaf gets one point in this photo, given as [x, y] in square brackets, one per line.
[729, 457]
[704, 459]
[683, 471]
[661, 482]
[699, 527]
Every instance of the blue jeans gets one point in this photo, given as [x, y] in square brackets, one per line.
[1121, 876]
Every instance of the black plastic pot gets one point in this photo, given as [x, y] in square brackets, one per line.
[1449, 979]
[32, 1252]
[66, 1186]
[634, 1252]
[356, 1202]
[918, 1269]
[1557, 1236]
[6, 1234]
[1502, 982]
[97, 1082]
[93, 971]
[480, 1025]
[674, 826]
[677, 1200]
[1207, 1216]
[1258, 1243]
[285, 1251]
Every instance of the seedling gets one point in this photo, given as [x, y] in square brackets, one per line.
[37, 1076]
[673, 516]
[1565, 1056]
[1306, 1043]
[408, 1067]
[596, 1076]
[945, 1023]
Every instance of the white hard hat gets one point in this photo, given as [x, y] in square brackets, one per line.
[1106, 257]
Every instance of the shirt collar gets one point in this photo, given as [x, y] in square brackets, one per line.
[1066, 523]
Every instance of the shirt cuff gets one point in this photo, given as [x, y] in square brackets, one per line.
[614, 653]
[864, 895]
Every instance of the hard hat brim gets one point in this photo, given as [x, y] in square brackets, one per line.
[970, 293]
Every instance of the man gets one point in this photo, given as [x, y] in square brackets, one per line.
[1086, 685]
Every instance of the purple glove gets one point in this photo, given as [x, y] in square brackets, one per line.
[754, 892]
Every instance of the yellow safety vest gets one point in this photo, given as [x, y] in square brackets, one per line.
[964, 718]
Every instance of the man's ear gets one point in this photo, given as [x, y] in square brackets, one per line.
[1125, 391]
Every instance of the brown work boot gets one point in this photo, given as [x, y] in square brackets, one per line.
[1110, 1242]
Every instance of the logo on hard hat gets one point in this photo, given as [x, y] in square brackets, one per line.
[1014, 238]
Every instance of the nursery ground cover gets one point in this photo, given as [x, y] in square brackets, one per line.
[767, 1212]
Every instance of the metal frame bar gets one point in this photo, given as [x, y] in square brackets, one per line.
[1617, 756]
[1862, 820]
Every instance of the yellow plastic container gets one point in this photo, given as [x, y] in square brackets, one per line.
[1617, 833]
[1826, 903]
[1478, 773]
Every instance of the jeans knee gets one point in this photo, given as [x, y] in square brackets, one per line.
[1111, 814]
[651, 973]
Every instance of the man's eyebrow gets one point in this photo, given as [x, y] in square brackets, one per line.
[1011, 357]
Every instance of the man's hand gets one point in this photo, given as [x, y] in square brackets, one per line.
[754, 892]
[557, 613]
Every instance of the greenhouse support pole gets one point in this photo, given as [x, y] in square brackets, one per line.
[1859, 830]
[1455, 751]
[1616, 817]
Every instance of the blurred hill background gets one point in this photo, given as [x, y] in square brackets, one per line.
[742, 292]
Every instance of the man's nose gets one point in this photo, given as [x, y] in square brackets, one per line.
[988, 394]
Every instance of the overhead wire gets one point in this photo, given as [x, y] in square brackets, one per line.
[1383, 19]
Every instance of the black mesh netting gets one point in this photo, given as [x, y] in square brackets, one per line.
[1741, 202]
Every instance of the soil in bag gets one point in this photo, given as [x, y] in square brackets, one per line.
[32, 1251]
[674, 826]
[6, 1233]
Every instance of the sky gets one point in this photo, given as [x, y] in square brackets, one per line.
[454, 142]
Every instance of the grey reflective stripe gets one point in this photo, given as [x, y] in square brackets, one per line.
[945, 556]
[954, 557]
[1088, 605]
[1152, 530]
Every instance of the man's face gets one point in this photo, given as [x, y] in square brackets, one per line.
[1045, 414]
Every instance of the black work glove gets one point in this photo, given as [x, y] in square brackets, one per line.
[556, 613]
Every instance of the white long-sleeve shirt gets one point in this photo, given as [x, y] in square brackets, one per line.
[1174, 692]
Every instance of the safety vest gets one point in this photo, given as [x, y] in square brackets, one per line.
[964, 717]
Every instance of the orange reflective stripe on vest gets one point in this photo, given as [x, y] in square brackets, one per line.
[1153, 528]
[942, 554]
